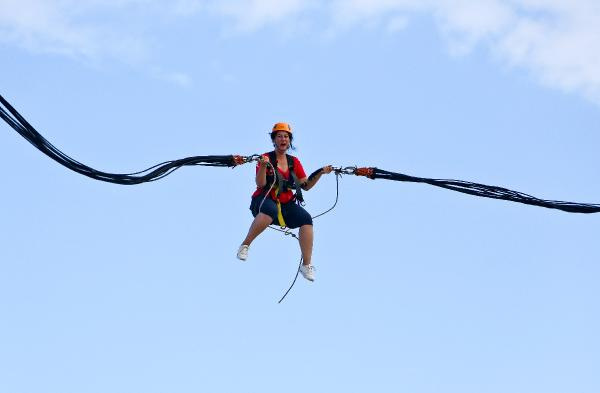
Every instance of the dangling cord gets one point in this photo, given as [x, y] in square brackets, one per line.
[288, 232]
[270, 188]
[337, 194]
[292, 234]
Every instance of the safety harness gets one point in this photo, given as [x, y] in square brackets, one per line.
[281, 184]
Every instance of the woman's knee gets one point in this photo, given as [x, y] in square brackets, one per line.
[264, 218]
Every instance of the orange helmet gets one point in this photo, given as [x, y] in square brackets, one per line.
[282, 127]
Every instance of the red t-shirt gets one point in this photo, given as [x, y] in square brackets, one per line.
[288, 195]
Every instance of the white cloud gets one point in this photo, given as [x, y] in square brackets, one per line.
[556, 40]
[251, 15]
[397, 23]
[91, 31]
[53, 27]
[560, 46]
[465, 24]
[180, 79]
[187, 7]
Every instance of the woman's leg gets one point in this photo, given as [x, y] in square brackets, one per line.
[306, 243]
[260, 223]
[263, 210]
[295, 216]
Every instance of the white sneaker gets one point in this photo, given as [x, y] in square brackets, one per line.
[242, 253]
[308, 272]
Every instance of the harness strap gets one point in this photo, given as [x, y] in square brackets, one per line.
[298, 186]
[282, 184]
[280, 215]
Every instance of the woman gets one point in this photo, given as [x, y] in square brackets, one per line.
[280, 206]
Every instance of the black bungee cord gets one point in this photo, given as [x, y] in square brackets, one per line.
[156, 172]
[14, 119]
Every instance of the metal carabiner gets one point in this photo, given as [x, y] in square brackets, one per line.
[349, 170]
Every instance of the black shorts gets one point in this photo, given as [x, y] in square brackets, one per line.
[293, 214]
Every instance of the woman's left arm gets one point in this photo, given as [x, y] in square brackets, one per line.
[308, 183]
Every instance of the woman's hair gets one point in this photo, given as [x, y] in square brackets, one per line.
[274, 133]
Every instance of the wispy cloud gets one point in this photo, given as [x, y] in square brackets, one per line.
[180, 79]
[558, 43]
[59, 27]
[91, 31]
[555, 40]
[250, 15]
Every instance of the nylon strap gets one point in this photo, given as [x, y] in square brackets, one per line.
[279, 213]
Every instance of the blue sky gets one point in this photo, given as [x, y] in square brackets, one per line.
[107, 288]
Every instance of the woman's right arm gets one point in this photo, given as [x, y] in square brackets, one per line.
[261, 174]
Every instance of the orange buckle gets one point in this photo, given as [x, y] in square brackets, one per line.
[368, 172]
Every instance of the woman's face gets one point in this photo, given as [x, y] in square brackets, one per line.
[282, 140]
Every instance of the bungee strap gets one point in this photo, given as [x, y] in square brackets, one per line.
[477, 189]
[27, 131]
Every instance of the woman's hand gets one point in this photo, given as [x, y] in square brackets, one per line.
[261, 173]
[263, 161]
[315, 176]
